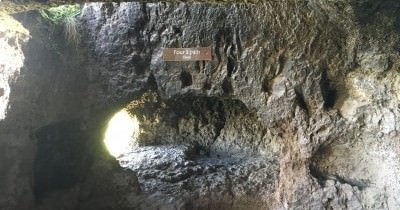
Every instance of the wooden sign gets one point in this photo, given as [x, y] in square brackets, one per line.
[187, 54]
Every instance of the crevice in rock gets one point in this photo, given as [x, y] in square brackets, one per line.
[281, 63]
[300, 99]
[330, 98]
[152, 82]
[266, 86]
[227, 86]
[218, 41]
[329, 92]
[238, 43]
[317, 174]
[177, 30]
[230, 66]
[207, 85]
[186, 79]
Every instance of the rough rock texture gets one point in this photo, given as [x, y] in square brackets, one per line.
[319, 77]
[298, 109]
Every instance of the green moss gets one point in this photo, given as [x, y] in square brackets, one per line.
[66, 16]
[61, 14]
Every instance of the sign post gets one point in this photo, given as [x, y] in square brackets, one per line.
[187, 54]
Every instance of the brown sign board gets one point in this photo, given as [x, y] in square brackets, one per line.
[187, 54]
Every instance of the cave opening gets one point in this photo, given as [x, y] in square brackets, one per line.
[121, 133]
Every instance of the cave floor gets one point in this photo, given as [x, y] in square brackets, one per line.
[182, 172]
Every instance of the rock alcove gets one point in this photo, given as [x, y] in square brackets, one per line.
[298, 108]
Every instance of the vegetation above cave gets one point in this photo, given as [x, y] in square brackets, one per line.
[67, 17]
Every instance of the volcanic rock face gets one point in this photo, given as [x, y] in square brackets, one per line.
[297, 110]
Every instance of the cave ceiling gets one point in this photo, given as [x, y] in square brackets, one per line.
[16, 6]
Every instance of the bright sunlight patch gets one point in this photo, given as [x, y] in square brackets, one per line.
[121, 133]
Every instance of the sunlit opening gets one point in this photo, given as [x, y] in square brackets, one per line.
[12, 36]
[121, 133]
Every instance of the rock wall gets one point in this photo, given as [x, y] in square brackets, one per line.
[319, 76]
[303, 93]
